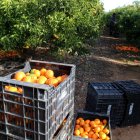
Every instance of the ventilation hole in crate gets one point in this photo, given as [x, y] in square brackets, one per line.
[1, 95]
[42, 115]
[16, 131]
[15, 120]
[29, 135]
[42, 104]
[1, 106]
[29, 112]
[2, 127]
[29, 124]
[42, 127]
[28, 102]
[14, 108]
[35, 93]
[36, 126]
[13, 98]
[42, 137]
[41, 94]
[28, 92]
[2, 118]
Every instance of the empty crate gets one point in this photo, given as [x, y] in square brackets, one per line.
[132, 95]
[37, 113]
[106, 98]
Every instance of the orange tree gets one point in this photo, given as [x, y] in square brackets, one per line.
[65, 24]
[128, 21]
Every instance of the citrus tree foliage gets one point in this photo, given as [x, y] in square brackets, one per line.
[128, 20]
[64, 23]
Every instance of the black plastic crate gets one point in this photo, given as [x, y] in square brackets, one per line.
[36, 113]
[132, 95]
[106, 98]
[91, 116]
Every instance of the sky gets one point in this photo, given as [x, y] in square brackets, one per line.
[112, 4]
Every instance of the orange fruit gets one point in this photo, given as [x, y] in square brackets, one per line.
[94, 136]
[41, 80]
[106, 131]
[37, 73]
[49, 74]
[33, 77]
[20, 90]
[12, 89]
[64, 77]
[6, 87]
[97, 121]
[90, 134]
[27, 79]
[59, 78]
[101, 127]
[19, 75]
[32, 71]
[77, 126]
[77, 121]
[102, 135]
[101, 123]
[107, 138]
[87, 121]
[81, 130]
[77, 132]
[104, 121]
[82, 122]
[52, 82]
[27, 74]
[43, 71]
[84, 135]
[92, 124]
[80, 119]
[86, 125]
[97, 129]
[87, 129]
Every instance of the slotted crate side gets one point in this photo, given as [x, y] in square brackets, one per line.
[41, 100]
[132, 94]
[111, 101]
[132, 114]
[65, 132]
[36, 128]
[91, 116]
[103, 93]
[130, 88]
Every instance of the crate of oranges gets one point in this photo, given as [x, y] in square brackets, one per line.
[35, 100]
[92, 126]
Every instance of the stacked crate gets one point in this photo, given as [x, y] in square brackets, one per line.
[132, 95]
[39, 112]
[106, 98]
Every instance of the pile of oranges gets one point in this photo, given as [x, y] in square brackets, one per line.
[94, 130]
[14, 89]
[42, 76]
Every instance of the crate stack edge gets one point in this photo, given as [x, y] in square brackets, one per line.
[132, 96]
[27, 116]
[106, 98]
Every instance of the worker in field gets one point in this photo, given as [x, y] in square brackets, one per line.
[112, 25]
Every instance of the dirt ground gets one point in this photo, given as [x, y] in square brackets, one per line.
[104, 63]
